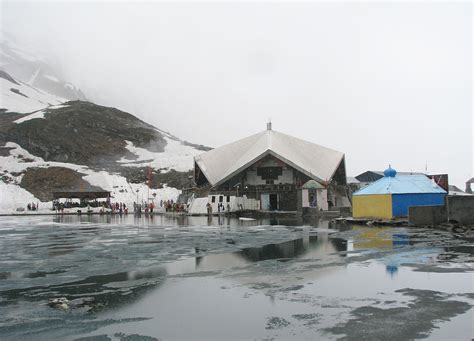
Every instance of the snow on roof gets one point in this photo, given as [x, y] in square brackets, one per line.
[220, 164]
[402, 184]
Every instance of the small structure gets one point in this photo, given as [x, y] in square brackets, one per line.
[454, 190]
[85, 198]
[391, 196]
[468, 185]
[271, 167]
[314, 195]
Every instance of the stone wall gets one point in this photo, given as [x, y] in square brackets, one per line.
[427, 215]
[461, 208]
[458, 208]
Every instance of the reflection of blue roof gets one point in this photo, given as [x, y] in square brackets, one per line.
[401, 184]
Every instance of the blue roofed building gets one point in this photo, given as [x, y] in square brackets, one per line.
[391, 196]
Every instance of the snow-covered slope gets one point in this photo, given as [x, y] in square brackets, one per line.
[19, 97]
[176, 156]
[35, 68]
[12, 196]
[95, 145]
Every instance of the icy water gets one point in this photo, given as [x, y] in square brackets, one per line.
[191, 278]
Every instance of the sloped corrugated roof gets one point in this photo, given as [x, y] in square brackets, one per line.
[401, 184]
[401, 173]
[220, 164]
[352, 180]
[312, 184]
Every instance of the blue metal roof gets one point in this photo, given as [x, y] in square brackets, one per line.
[401, 184]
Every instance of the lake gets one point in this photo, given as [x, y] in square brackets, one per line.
[199, 278]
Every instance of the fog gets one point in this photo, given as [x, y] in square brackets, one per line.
[387, 83]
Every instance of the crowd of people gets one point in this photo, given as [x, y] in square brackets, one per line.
[117, 207]
[32, 206]
[171, 206]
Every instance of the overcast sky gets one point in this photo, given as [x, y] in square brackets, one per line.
[385, 83]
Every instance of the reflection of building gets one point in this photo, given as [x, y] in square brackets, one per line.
[371, 238]
[392, 195]
[270, 167]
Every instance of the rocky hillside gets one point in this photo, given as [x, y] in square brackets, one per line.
[82, 133]
[63, 145]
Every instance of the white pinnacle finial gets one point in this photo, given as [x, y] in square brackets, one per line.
[269, 124]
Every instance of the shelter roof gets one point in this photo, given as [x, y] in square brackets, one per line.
[402, 184]
[81, 194]
[312, 184]
[317, 162]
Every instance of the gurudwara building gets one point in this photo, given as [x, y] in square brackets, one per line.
[278, 170]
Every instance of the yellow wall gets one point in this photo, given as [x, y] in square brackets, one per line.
[372, 206]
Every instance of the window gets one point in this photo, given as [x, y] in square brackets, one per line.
[269, 173]
[269, 182]
[221, 198]
[228, 198]
[213, 199]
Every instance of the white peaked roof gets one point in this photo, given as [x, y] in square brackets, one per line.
[317, 162]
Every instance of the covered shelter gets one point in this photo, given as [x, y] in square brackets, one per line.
[81, 195]
[314, 195]
[86, 198]
[271, 166]
[391, 196]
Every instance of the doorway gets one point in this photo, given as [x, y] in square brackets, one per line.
[273, 202]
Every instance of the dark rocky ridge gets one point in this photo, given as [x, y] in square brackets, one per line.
[155, 178]
[83, 133]
[42, 182]
[87, 134]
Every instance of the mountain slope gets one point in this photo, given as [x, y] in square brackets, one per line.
[34, 69]
[18, 97]
[81, 144]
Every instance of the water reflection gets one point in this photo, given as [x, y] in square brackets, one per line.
[183, 269]
[303, 247]
[184, 220]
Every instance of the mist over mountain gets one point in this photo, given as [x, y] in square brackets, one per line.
[330, 74]
[35, 69]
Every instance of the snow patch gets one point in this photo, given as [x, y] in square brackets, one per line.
[51, 78]
[59, 106]
[12, 196]
[175, 156]
[38, 114]
[35, 100]
[33, 76]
